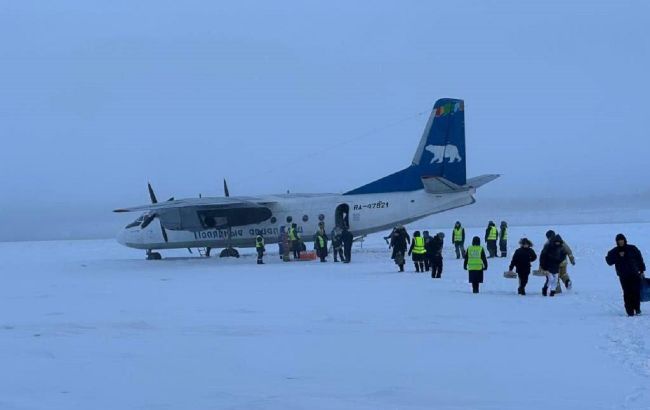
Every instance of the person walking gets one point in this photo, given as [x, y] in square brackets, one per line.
[522, 260]
[458, 240]
[564, 274]
[259, 247]
[436, 255]
[491, 236]
[630, 269]
[503, 239]
[427, 247]
[347, 239]
[398, 243]
[475, 263]
[294, 240]
[337, 245]
[320, 242]
[417, 251]
[550, 259]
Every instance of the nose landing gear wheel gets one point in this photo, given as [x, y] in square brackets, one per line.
[153, 256]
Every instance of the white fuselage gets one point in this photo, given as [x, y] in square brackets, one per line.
[368, 213]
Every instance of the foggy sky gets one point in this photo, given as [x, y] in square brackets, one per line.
[97, 98]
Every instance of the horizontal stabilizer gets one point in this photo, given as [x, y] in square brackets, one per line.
[440, 185]
[481, 180]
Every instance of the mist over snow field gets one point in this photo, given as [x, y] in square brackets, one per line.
[92, 325]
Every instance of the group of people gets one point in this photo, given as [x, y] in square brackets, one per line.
[342, 240]
[290, 243]
[425, 250]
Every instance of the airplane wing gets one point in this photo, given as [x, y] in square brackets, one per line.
[201, 203]
[196, 214]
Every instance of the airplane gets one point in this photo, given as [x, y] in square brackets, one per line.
[434, 182]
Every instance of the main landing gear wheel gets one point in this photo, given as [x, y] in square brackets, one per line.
[229, 252]
[153, 256]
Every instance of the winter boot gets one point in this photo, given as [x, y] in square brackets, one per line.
[401, 268]
[417, 267]
[544, 290]
[552, 293]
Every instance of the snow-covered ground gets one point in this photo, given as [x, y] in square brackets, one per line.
[91, 325]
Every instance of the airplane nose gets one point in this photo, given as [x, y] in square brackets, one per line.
[121, 237]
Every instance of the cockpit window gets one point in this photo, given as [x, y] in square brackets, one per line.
[135, 223]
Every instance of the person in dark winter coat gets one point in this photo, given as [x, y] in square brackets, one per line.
[475, 263]
[346, 239]
[550, 260]
[522, 260]
[435, 254]
[337, 245]
[630, 269]
[458, 240]
[491, 237]
[284, 244]
[320, 243]
[503, 239]
[399, 244]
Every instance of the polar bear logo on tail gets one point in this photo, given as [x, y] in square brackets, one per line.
[440, 152]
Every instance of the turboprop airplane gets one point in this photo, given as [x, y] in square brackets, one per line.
[434, 182]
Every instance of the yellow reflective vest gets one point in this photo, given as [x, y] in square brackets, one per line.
[259, 243]
[493, 234]
[504, 234]
[474, 260]
[292, 234]
[458, 235]
[419, 245]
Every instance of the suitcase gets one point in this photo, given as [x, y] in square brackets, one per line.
[509, 274]
[645, 289]
[539, 272]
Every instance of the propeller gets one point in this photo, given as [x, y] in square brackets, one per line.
[149, 218]
[225, 188]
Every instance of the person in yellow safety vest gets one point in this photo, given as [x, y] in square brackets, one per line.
[458, 240]
[320, 242]
[475, 263]
[503, 239]
[294, 240]
[491, 236]
[259, 247]
[418, 251]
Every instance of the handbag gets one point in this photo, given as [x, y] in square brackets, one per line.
[509, 274]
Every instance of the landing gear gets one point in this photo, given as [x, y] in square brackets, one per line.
[207, 252]
[153, 256]
[229, 252]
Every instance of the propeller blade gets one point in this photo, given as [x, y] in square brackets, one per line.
[151, 194]
[164, 233]
[170, 199]
[225, 188]
[147, 220]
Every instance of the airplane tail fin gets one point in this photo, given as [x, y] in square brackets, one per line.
[440, 153]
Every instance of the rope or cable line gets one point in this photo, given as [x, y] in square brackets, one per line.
[348, 141]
